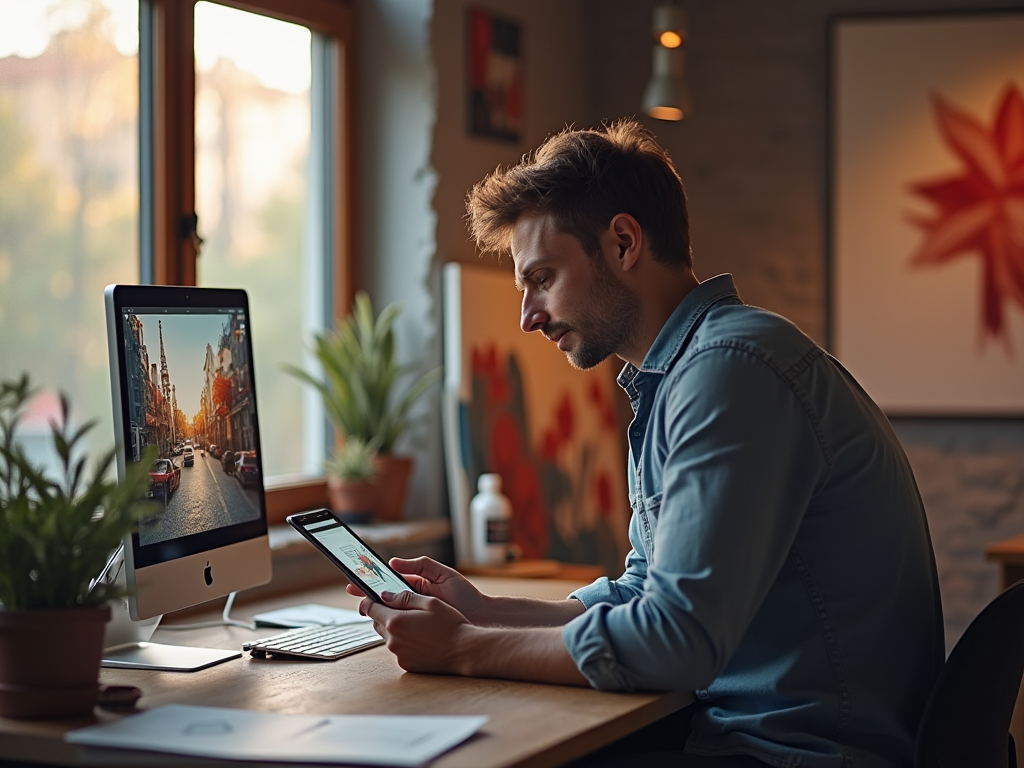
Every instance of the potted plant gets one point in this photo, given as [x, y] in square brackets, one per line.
[364, 394]
[55, 537]
[352, 475]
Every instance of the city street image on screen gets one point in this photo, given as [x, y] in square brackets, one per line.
[190, 394]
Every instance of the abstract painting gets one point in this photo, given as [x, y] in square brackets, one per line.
[927, 211]
[514, 406]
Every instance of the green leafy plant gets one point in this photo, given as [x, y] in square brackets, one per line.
[56, 535]
[361, 389]
[354, 462]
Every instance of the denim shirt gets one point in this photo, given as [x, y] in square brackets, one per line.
[781, 566]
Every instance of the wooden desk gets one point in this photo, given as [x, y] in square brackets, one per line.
[531, 725]
[1009, 553]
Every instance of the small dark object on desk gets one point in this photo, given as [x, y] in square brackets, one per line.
[118, 698]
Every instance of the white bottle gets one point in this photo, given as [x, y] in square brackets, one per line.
[490, 522]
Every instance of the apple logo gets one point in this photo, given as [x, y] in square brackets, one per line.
[208, 573]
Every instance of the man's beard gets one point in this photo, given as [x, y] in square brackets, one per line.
[607, 323]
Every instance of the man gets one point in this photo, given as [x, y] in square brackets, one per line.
[781, 567]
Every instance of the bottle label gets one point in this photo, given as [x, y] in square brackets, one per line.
[499, 531]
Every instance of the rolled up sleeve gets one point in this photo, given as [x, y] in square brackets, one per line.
[623, 589]
[739, 459]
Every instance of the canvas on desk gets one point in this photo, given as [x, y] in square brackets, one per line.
[514, 406]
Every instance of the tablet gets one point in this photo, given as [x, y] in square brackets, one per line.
[352, 555]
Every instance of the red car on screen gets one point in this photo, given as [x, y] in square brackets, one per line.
[164, 478]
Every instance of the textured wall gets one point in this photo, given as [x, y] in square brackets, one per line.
[971, 476]
[754, 159]
[750, 155]
[397, 110]
[556, 94]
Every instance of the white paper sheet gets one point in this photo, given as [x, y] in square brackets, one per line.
[238, 734]
[308, 615]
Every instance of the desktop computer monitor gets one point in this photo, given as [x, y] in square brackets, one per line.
[182, 381]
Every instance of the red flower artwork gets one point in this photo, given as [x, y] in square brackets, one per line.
[565, 503]
[980, 211]
[565, 418]
[603, 491]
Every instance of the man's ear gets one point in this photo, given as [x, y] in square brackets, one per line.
[629, 239]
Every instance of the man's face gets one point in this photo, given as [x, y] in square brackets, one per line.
[574, 299]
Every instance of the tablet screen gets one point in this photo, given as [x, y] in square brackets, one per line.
[359, 558]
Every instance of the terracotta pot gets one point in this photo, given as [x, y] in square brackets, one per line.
[394, 484]
[353, 499]
[50, 662]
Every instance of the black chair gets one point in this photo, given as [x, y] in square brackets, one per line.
[966, 721]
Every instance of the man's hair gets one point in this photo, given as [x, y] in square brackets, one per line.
[582, 179]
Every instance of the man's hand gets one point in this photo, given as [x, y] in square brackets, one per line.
[427, 635]
[423, 632]
[431, 578]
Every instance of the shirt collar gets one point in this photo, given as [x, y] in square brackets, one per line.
[679, 327]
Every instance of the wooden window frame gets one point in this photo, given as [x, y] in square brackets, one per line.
[172, 88]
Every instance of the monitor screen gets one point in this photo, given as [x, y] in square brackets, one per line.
[183, 385]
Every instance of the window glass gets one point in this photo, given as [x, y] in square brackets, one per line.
[69, 192]
[253, 138]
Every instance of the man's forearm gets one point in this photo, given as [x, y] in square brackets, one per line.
[536, 654]
[508, 611]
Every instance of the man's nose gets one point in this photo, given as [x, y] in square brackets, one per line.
[532, 317]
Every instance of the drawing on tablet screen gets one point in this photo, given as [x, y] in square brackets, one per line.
[365, 568]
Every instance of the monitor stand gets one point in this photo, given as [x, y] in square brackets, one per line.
[126, 642]
[168, 658]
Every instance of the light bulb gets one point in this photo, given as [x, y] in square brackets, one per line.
[670, 39]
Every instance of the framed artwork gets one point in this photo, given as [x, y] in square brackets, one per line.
[926, 167]
[495, 69]
[514, 406]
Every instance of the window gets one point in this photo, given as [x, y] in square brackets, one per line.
[69, 210]
[253, 126]
[121, 124]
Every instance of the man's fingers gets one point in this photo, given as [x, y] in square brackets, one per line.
[428, 568]
[393, 603]
[404, 601]
[376, 611]
[352, 589]
[418, 583]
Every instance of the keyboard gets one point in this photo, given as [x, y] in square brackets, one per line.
[324, 643]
